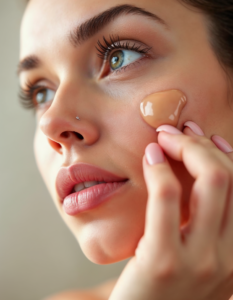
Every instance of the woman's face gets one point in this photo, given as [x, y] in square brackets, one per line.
[169, 50]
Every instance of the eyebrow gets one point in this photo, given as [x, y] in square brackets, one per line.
[29, 63]
[89, 28]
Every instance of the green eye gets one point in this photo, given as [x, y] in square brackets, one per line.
[121, 58]
[44, 95]
[117, 59]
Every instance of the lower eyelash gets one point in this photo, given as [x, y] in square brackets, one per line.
[106, 48]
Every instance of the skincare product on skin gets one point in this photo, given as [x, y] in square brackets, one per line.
[163, 108]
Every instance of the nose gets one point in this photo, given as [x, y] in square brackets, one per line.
[63, 129]
[163, 108]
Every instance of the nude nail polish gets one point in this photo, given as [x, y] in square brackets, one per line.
[222, 144]
[195, 128]
[169, 129]
[154, 154]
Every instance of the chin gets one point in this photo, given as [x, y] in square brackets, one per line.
[98, 255]
[110, 245]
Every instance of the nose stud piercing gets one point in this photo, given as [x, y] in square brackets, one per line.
[77, 118]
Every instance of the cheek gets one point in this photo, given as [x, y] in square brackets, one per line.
[111, 232]
[126, 137]
[123, 124]
[206, 85]
[208, 104]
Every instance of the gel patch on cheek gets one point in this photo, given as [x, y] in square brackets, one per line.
[163, 108]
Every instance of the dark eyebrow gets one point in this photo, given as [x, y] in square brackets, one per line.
[28, 63]
[90, 27]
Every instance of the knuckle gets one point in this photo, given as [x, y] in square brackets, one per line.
[206, 143]
[207, 269]
[166, 269]
[193, 140]
[219, 176]
[190, 139]
[168, 191]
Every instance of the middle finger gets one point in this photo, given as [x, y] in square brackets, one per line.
[208, 166]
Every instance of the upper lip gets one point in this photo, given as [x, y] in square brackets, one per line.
[67, 178]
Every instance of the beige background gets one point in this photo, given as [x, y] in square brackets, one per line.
[38, 254]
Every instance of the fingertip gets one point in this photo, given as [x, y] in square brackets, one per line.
[154, 154]
[169, 129]
[222, 144]
[195, 128]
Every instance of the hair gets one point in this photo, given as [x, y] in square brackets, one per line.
[220, 16]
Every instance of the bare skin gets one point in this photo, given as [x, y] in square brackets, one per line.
[77, 82]
[179, 66]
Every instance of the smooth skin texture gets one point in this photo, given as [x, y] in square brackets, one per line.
[180, 57]
[201, 261]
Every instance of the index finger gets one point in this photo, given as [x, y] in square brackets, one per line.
[198, 154]
[210, 167]
[218, 141]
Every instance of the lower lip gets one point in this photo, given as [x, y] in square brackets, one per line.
[90, 198]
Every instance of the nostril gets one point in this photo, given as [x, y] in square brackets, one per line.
[66, 134]
[79, 136]
[55, 145]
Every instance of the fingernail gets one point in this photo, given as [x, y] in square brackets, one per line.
[194, 127]
[154, 154]
[222, 144]
[169, 129]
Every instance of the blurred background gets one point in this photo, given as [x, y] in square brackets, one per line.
[38, 254]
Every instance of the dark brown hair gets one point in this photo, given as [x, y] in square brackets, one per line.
[220, 15]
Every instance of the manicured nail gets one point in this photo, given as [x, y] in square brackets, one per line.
[169, 129]
[222, 144]
[154, 154]
[194, 127]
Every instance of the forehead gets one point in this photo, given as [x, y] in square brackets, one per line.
[46, 22]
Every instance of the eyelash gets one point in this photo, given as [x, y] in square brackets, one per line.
[26, 95]
[104, 50]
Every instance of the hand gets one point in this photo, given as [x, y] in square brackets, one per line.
[199, 266]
